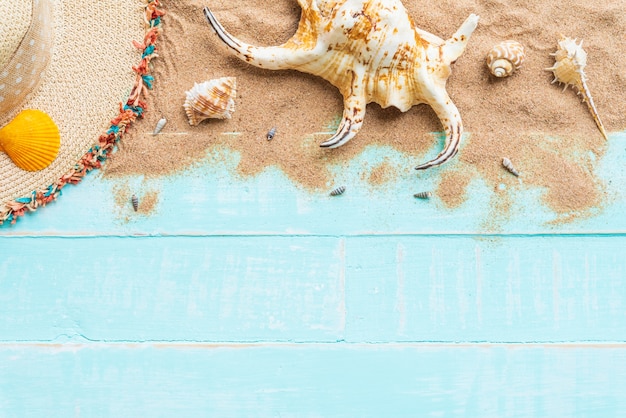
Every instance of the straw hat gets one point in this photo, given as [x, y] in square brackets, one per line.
[83, 63]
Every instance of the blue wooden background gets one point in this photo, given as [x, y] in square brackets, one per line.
[252, 297]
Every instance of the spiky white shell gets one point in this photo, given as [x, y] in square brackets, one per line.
[211, 99]
[505, 58]
[571, 60]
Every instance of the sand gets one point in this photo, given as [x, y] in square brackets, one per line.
[547, 133]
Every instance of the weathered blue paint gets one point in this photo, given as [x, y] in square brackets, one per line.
[254, 297]
[321, 380]
[172, 289]
[291, 288]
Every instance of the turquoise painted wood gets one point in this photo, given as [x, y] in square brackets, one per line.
[253, 297]
[290, 288]
[173, 289]
[312, 380]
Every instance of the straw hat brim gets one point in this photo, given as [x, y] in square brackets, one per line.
[92, 88]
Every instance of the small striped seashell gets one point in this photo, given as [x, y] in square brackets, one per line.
[271, 134]
[505, 58]
[506, 163]
[213, 99]
[570, 61]
[31, 140]
[423, 195]
[135, 202]
[159, 126]
[338, 191]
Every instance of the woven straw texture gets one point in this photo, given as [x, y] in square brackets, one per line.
[24, 69]
[89, 74]
[11, 34]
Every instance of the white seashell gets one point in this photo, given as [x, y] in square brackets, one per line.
[372, 52]
[568, 69]
[505, 58]
[271, 134]
[338, 191]
[509, 166]
[423, 195]
[159, 126]
[213, 99]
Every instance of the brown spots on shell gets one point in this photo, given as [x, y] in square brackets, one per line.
[403, 57]
[362, 28]
[307, 33]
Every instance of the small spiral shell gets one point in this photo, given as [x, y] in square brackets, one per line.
[338, 191]
[423, 195]
[509, 166]
[505, 58]
[271, 134]
[135, 201]
[159, 126]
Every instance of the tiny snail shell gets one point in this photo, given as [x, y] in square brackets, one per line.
[159, 126]
[423, 195]
[509, 166]
[135, 201]
[271, 134]
[338, 191]
[505, 58]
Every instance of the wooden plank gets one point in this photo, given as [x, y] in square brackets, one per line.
[312, 380]
[509, 289]
[513, 289]
[172, 288]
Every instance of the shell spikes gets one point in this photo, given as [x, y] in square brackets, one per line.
[568, 69]
[372, 52]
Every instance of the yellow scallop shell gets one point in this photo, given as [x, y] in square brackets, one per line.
[31, 140]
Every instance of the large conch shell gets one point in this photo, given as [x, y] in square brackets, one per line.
[568, 69]
[505, 58]
[211, 99]
[372, 52]
[31, 140]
